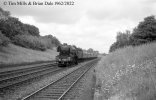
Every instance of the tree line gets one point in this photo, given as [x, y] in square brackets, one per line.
[14, 31]
[145, 32]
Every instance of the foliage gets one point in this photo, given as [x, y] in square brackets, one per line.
[12, 27]
[51, 41]
[113, 47]
[29, 41]
[145, 31]
[35, 42]
[24, 35]
[122, 40]
[32, 30]
[90, 50]
[4, 41]
[128, 73]
[4, 14]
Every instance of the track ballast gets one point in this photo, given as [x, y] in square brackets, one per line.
[58, 89]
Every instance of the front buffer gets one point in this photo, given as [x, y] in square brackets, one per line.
[65, 61]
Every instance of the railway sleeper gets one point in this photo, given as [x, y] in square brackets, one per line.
[47, 96]
[56, 92]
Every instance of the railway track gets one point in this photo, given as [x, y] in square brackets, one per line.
[11, 78]
[58, 89]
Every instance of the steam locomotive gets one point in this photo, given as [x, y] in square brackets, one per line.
[69, 55]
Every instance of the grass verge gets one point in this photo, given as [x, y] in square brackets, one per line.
[13, 54]
[128, 74]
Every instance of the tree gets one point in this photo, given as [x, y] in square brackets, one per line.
[145, 32]
[4, 41]
[90, 50]
[122, 40]
[52, 41]
[32, 30]
[4, 14]
[113, 47]
[11, 27]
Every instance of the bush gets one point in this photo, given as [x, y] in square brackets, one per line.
[4, 41]
[122, 40]
[13, 26]
[51, 40]
[31, 30]
[29, 41]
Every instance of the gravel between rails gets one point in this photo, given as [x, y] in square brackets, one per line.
[13, 81]
[22, 91]
[84, 89]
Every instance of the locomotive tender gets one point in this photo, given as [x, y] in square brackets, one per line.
[69, 55]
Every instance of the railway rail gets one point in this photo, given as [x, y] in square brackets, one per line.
[8, 69]
[14, 77]
[58, 89]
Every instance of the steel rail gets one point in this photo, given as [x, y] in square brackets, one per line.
[74, 83]
[25, 69]
[26, 79]
[19, 74]
[37, 91]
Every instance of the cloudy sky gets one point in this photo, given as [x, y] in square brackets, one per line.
[87, 23]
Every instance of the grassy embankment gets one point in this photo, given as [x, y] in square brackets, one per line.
[128, 74]
[13, 54]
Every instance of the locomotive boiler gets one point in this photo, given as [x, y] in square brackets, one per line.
[69, 55]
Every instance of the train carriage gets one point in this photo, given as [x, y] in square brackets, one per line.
[71, 55]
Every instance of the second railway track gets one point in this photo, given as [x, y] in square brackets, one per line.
[58, 89]
[17, 76]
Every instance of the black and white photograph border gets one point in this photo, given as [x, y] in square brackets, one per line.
[77, 49]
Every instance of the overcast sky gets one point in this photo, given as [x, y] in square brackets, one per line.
[87, 23]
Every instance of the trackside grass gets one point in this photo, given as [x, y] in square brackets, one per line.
[13, 54]
[128, 74]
